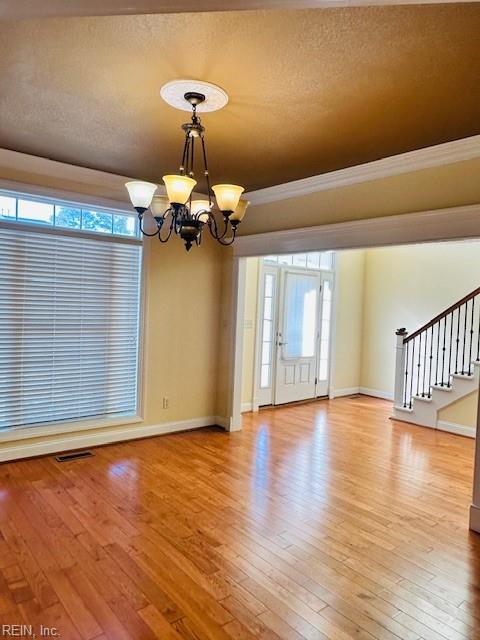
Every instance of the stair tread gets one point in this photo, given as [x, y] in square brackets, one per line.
[440, 388]
[423, 398]
[406, 409]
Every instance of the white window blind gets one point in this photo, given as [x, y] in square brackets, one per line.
[69, 327]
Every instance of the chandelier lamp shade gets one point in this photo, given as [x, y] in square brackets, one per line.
[177, 212]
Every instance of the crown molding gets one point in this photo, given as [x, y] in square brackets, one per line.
[77, 184]
[438, 155]
[28, 9]
[37, 165]
[454, 223]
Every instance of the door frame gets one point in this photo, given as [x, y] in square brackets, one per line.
[262, 268]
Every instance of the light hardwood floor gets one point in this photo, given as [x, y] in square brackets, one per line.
[324, 520]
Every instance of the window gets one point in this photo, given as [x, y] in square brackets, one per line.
[69, 315]
[46, 212]
[313, 260]
[8, 207]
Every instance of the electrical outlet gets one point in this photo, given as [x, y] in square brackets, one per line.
[165, 403]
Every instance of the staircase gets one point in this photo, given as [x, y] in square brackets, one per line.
[439, 363]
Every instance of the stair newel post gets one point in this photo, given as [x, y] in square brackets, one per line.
[400, 366]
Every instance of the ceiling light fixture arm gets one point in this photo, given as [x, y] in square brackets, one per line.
[145, 233]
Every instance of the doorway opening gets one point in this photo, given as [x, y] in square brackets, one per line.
[292, 329]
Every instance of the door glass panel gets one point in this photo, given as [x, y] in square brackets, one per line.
[267, 332]
[300, 315]
[313, 260]
[267, 308]
[300, 260]
[270, 259]
[326, 260]
[325, 330]
[268, 285]
[266, 348]
[265, 376]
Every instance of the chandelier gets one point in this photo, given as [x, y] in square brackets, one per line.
[179, 212]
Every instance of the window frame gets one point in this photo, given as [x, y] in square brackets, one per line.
[275, 260]
[82, 424]
[73, 204]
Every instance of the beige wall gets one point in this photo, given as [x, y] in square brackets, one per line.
[182, 328]
[250, 327]
[349, 293]
[225, 338]
[463, 411]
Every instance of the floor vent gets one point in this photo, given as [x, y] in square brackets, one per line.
[75, 455]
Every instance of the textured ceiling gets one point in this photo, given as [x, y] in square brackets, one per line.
[310, 90]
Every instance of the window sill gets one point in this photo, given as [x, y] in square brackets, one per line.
[23, 433]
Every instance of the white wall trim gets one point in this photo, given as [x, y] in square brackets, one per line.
[350, 391]
[44, 168]
[247, 406]
[27, 163]
[234, 421]
[79, 440]
[440, 154]
[73, 197]
[453, 223]
[376, 393]
[459, 429]
[346, 391]
[66, 428]
[332, 347]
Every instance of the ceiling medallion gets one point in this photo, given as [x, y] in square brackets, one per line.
[177, 212]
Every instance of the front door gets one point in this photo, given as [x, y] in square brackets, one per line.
[297, 336]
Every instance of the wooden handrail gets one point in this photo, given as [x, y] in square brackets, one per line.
[445, 313]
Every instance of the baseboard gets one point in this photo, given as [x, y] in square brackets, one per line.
[347, 391]
[474, 523]
[246, 406]
[350, 391]
[376, 393]
[459, 429]
[80, 440]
